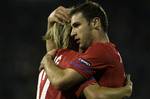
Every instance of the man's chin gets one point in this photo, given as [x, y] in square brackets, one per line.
[82, 48]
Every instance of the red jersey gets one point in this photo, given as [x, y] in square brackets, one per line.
[100, 60]
[105, 62]
[45, 90]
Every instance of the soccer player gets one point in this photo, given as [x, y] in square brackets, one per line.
[46, 91]
[87, 64]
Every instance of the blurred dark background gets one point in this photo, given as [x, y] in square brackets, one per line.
[23, 23]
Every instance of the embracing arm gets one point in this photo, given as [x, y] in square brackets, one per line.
[59, 15]
[97, 92]
[60, 78]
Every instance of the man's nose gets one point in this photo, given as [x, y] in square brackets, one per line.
[73, 33]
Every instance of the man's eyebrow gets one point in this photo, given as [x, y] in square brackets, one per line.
[75, 24]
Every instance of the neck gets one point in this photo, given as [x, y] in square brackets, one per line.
[100, 36]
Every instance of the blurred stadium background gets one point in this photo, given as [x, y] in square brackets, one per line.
[23, 23]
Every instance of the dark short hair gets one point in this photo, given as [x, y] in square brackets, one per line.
[90, 10]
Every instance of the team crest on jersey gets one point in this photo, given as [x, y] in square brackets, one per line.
[84, 62]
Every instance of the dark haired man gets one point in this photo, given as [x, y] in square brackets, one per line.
[99, 58]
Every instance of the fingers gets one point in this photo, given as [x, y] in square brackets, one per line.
[44, 61]
[41, 67]
[128, 77]
[64, 11]
[59, 15]
[52, 52]
[129, 85]
[129, 82]
[62, 16]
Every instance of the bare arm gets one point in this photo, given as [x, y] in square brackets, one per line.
[96, 92]
[60, 78]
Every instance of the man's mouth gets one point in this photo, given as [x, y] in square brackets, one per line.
[77, 41]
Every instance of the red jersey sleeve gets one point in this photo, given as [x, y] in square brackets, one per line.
[71, 59]
[95, 58]
[81, 66]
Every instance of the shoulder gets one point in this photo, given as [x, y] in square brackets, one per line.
[67, 53]
[99, 52]
[97, 49]
[63, 51]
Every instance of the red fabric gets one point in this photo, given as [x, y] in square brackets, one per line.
[52, 93]
[100, 60]
[106, 65]
[84, 85]
[103, 61]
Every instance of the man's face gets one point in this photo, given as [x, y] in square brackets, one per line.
[81, 30]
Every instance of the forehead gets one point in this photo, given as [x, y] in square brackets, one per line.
[77, 17]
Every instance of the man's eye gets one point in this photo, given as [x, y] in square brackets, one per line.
[76, 25]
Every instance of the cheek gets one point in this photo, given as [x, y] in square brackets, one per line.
[83, 31]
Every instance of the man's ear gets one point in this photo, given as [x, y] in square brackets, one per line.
[96, 23]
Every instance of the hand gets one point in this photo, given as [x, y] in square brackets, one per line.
[41, 67]
[48, 58]
[129, 85]
[59, 15]
[51, 53]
